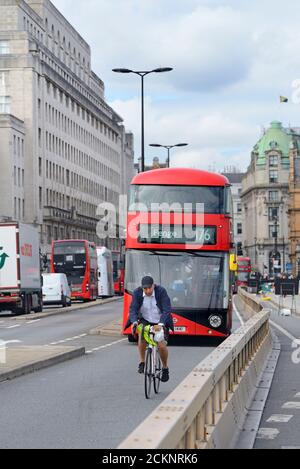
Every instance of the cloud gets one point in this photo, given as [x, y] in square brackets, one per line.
[232, 59]
[212, 136]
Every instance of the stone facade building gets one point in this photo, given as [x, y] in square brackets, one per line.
[235, 179]
[294, 207]
[265, 199]
[63, 149]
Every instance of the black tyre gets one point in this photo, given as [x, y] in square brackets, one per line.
[64, 301]
[157, 373]
[148, 373]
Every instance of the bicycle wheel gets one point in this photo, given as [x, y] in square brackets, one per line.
[157, 372]
[148, 373]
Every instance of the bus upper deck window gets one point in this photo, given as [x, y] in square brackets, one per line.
[228, 201]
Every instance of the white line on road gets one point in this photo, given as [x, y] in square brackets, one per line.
[267, 433]
[297, 395]
[291, 405]
[280, 418]
[238, 314]
[105, 346]
[33, 321]
[13, 327]
[284, 331]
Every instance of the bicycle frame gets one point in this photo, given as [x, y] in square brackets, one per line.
[152, 365]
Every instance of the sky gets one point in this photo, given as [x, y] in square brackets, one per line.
[232, 60]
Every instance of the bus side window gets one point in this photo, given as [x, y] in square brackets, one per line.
[228, 202]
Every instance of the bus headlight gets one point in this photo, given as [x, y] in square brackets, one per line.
[215, 321]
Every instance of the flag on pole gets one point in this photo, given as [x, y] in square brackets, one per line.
[283, 99]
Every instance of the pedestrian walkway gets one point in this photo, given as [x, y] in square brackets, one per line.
[280, 423]
[288, 303]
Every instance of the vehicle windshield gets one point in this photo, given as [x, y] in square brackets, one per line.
[243, 276]
[211, 197]
[70, 259]
[192, 280]
[50, 279]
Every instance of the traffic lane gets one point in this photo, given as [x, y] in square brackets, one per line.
[92, 402]
[60, 327]
[67, 325]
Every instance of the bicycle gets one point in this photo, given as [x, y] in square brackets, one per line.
[153, 366]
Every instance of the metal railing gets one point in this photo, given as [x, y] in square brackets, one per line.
[207, 409]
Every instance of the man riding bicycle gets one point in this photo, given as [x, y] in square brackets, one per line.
[152, 305]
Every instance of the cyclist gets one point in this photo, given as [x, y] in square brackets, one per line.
[151, 305]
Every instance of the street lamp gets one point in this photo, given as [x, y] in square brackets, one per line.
[142, 74]
[168, 147]
[275, 235]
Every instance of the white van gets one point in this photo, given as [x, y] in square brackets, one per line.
[105, 273]
[56, 290]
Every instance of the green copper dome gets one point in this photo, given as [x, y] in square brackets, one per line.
[275, 138]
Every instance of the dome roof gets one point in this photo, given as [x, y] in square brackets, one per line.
[275, 138]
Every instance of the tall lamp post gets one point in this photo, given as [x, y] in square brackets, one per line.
[169, 148]
[275, 234]
[142, 74]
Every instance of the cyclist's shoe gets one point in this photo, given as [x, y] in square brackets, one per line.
[165, 375]
[141, 368]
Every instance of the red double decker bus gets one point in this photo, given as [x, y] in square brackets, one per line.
[118, 272]
[243, 271]
[78, 260]
[187, 254]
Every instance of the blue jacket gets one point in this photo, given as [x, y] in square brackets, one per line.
[163, 303]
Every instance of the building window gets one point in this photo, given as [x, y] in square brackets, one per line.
[239, 228]
[273, 196]
[273, 176]
[239, 208]
[273, 160]
[273, 231]
[40, 197]
[273, 213]
[4, 47]
[4, 104]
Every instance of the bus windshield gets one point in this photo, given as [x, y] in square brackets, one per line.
[70, 259]
[192, 280]
[211, 197]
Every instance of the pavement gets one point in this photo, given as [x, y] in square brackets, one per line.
[113, 329]
[75, 307]
[15, 362]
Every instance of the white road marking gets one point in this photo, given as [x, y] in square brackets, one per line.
[267, 433]
[238, 314]
[280, 418]
[68, 339]
[291, 405]
[297, 395]
[105, 346]
[33, 321]
[284, 331]
[13, 327]
[290, 447]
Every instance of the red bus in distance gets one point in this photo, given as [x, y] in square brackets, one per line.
[195, 267]
[243, 271]
[118, 272]
[78, 260]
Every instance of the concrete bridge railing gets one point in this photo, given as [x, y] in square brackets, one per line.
[208, 409]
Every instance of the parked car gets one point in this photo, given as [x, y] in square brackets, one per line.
[56, 290]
